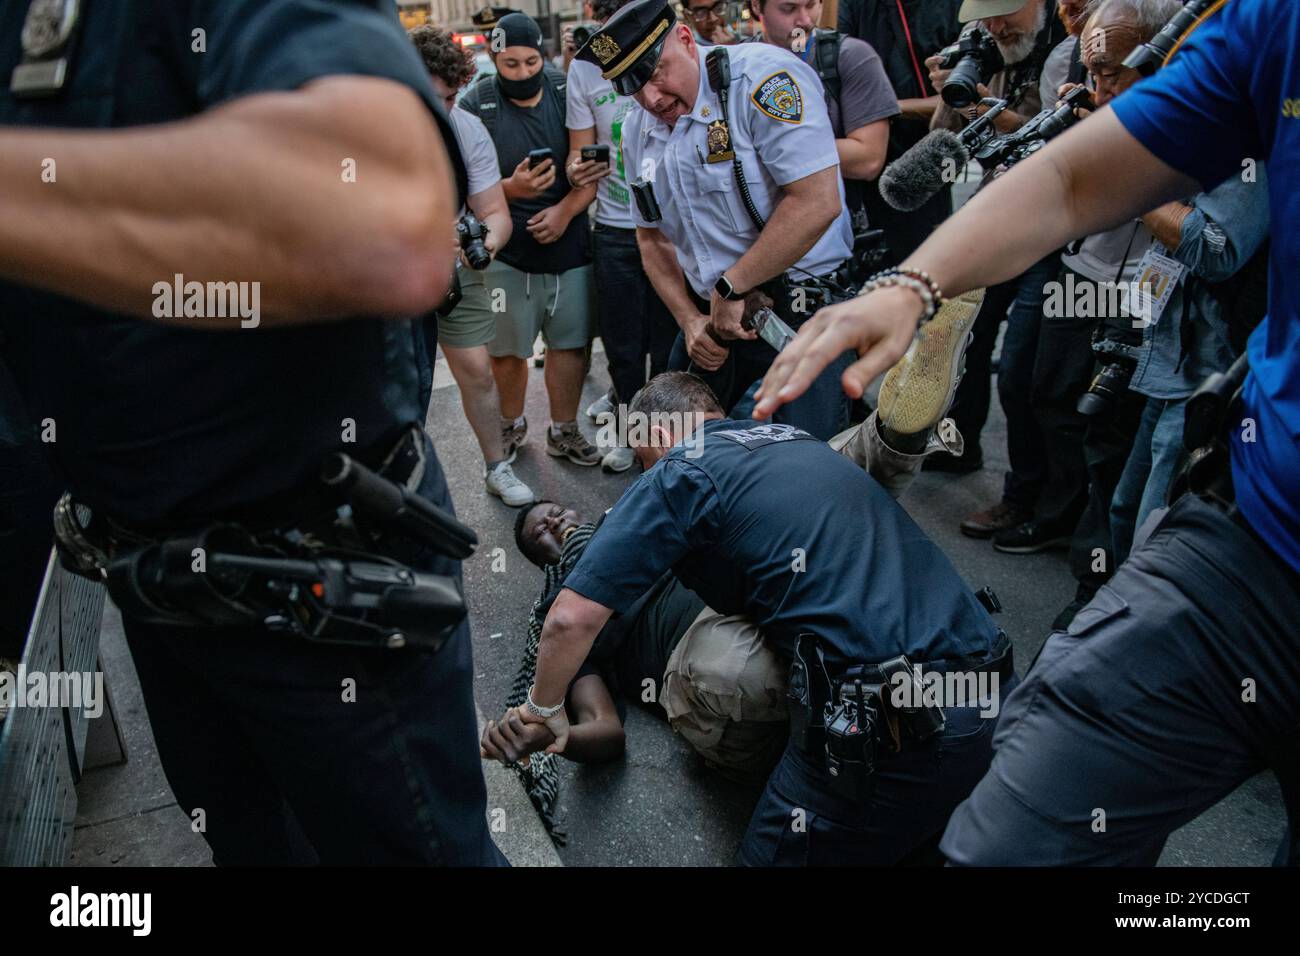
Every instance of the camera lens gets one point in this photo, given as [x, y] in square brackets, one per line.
[1111, 382]
[960, 90]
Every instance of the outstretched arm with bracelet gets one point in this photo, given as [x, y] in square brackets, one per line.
[982, 245]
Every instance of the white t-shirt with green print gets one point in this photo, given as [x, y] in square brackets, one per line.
[593, 102]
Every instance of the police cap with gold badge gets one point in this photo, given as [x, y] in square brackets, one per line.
[487, 18]
[628, 46]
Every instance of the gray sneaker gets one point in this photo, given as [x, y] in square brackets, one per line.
[618, 459]
[601, 407]
[571, 445]
[502, 482]
[512, 438]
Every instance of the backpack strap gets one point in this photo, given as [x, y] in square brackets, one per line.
[827, 64]
[483, 102]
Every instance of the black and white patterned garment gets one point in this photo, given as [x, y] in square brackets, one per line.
[541, 778]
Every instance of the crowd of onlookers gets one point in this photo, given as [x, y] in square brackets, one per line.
[1093, 385]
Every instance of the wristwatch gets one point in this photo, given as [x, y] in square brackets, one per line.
[725, 289]
[543, 712]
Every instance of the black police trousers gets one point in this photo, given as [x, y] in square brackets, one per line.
[304, 753]
[1176, 684]
[801, 821]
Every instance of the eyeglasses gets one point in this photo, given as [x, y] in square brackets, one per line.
[719, 10]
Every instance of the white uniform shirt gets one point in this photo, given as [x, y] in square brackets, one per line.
[476, 147]
[780, 130]
[592, 101]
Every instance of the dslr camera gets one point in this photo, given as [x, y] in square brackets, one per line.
[973, 59]
[471, 233]
[1119, 356]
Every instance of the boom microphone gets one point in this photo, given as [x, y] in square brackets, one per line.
[910, 181]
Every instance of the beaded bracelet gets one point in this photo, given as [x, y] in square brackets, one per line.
[919, 282]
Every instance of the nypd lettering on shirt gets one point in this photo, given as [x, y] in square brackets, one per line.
[761, 435]
[779, 97]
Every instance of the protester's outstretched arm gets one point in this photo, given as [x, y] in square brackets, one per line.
[1058, 195]
[255, 190]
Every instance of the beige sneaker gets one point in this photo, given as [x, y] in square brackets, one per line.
[572, 445]
[917, 391]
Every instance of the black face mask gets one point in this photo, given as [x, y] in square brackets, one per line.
[521, 89]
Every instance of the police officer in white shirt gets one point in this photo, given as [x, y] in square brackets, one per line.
[740, 202]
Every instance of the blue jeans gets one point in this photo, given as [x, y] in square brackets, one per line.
[632, 321]
[254, 729]
[1144, 485]
[915, 792]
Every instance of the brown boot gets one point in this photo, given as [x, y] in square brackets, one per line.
[987, 523]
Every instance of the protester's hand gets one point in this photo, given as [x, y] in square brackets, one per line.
[512, 740]
[725, 316]
[584, 172]
[528, 183]
[567, 44]
[938, 76]
[549, 224]
[1064, 91]
[703, 349]
[557, 725]
[879, 326]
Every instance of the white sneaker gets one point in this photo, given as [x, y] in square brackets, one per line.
[502, 482]
[600, 407]
[618, 459]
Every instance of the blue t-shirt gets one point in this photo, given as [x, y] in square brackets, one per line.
[767, 521]
[168, 424]
[1232, 94]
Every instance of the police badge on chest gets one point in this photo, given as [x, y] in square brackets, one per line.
[719, 140]
[47, 37]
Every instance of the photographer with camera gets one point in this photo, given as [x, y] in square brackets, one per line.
[632, 321]
[540, 281]
[1173, 686]
[1002, 56]
[1114, 451]
[484, 228]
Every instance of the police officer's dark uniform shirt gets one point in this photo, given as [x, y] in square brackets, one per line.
[161, 423]
[767, 521]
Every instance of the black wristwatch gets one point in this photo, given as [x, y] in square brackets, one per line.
[725, 289]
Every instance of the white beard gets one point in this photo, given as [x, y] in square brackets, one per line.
[1021, 49]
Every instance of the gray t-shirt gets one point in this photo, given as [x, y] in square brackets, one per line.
[592, 103]
[865, 93]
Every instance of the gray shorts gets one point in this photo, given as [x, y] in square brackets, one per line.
[520, 305]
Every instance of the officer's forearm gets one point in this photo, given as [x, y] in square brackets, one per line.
[804, 212]
[660, 262]
[567, 635]
[308, 193]
[1059, 194]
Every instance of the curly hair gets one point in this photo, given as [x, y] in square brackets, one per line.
[443, 56]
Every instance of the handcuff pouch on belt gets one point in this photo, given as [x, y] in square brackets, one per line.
[847, 719]
[333, 581]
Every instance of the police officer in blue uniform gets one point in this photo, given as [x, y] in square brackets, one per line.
[1177, 682]
[293, 145]
[766, 521]
[739, 193]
